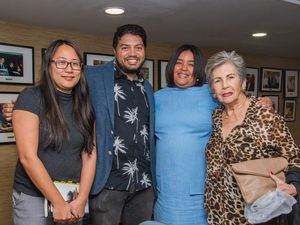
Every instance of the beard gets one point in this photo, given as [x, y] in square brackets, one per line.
[127, 70]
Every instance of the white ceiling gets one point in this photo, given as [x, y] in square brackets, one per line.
[207, 23]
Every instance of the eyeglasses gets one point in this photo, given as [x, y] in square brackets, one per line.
[63, 64]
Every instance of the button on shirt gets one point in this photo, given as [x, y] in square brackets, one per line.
[131, 156]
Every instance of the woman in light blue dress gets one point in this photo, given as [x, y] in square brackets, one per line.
[183, 125]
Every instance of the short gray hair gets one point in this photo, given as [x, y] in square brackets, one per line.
[220, 58]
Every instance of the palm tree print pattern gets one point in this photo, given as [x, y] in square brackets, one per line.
[144, 133]
[119, 146]
[130, 169]
[132, 116]
[145, 180]
[119, 93]
[131, 153]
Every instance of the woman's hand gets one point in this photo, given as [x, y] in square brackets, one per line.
[282, 186]
[62, 213]
[77, 209]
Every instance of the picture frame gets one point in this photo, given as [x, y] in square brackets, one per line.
[162, 65]
[43, 52]
[291, 83]
[271, 79]
[252, 81]
[93, 59]
[148, 70]
[275, 101]
[16, 64]
[289, 112]
[6, 130]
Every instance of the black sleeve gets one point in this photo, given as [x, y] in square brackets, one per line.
[29, 100]
[293, 176]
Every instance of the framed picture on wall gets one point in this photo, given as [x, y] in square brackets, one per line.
[6, 130]
[93, 59]
[275, 101]
[43, 52]
[251, 81]
[291, 83]
[271, 79]
[162, 65]
[16, 64]
[148, 70]
[289, 112]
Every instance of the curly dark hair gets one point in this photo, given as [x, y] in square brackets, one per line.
[133, 29]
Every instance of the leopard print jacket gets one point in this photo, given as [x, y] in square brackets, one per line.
[263, 134]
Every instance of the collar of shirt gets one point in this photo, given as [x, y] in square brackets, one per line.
[119, 74]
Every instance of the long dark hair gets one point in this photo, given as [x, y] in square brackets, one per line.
[57, 129]
[198, 72]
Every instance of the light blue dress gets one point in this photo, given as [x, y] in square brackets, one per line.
[183, 123]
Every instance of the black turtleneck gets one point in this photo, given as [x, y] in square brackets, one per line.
[63, 165]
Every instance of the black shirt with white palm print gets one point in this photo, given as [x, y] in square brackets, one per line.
[131, 156]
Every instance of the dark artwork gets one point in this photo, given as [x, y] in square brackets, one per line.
[250, 85]
[271, 79]
[99, 62]
[11, 64]
[145, 72]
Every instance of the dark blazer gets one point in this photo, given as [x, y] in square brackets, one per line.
[101, 89]
[293, 176]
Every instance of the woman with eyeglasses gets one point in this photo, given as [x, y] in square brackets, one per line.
[53, 125]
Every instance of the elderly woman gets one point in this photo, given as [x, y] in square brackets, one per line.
[242, 131]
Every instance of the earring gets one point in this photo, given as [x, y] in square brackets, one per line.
[244, 87]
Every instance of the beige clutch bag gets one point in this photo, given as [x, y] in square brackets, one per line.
[253, 176]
